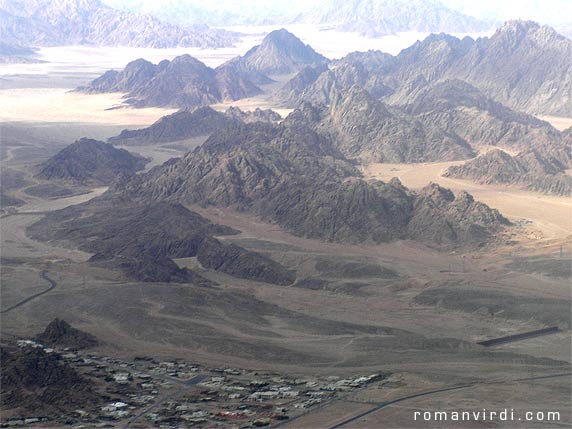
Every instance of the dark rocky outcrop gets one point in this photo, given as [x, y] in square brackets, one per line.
[369, 130]
[459, 107]
[145, 268]
[440, 217]
[292, 175]
[187, 124]
[140, 239]
[35, 381]
[91, 162]
[59, 333]
[181, 125]
[235, 261]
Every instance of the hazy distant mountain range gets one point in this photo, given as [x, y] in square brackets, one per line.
[380, 17]
[367, 17]
[12, 54]
[90, 22]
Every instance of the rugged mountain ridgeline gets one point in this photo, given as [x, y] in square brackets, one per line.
[374, 18]
[141, 238]
[371, 18]
[423, 105]
[90, 22]
[371, 131]
[497, 66]
[186, 82]
[182, 82]
[297, 177]
[90, 162]
[187, 124]
[528, 169]
[459, 107]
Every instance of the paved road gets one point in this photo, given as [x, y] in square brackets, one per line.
[44, 275]
[431, 392]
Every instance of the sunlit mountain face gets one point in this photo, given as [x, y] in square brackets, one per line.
[302, 214]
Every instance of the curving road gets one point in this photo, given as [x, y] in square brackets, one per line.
[431, 392]
[44, 275]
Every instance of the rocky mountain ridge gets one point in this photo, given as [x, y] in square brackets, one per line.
[90, 22]
[293, 175]
[530, 170]
[496, 66]
[141, 239]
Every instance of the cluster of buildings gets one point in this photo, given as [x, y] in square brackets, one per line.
[172, 394]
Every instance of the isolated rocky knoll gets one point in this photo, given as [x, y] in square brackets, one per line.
[61, 334]
[141, 238]
[291, 174]
[41, 383]
[90, 162]
[186, 82]
[90, 22]
[524, 66]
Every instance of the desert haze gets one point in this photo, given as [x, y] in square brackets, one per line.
[329, 215]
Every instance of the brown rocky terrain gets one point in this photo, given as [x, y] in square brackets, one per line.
[91, 162]
[528, 169]
[183, 82]
[59, 333]
[139, 239]
[39, 382]
[185, 124]
[279, 53]
[460, 108]
[294, 176]
[494, 65]
[371, 131]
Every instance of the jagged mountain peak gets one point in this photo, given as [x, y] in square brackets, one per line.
[281, 52]
[515, 31]
[437, 193]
